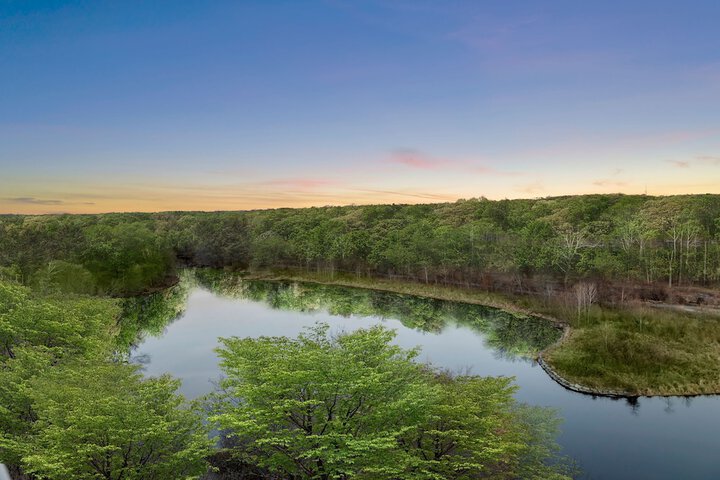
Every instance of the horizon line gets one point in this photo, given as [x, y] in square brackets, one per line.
[549, 197]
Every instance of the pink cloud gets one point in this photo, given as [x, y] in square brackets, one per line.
[680, 163]
[415, 159]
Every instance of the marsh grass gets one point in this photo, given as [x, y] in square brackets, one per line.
[636, 348]
[642, 350]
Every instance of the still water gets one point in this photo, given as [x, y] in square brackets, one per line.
[651, 438]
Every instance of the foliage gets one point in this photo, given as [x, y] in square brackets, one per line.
[644, 351]
[542, 249]
[320, 407]
[475, 429]
[127, 257]
[509, 334]
[150, 314]
[58, 325]
[639, 349]
[37, 333]
[638, 238]
[60, 276]
[65, 412]
[353, 405]
[105, 421]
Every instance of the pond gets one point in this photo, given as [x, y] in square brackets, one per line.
[658, 438]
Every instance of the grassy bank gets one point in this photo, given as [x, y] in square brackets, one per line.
[637, 349]
[643, 351]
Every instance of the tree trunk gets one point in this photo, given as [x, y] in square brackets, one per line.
[705, 264]
[672, 261]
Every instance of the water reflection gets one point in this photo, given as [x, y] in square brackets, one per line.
[658, 438]
[510, 336]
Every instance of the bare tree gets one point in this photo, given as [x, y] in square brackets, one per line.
[571, 241]
[585, 296]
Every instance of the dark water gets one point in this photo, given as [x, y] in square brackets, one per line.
[652, 438]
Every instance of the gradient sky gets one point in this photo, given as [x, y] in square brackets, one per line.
[218, 105]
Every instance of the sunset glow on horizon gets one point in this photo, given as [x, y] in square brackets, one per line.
[129, 106]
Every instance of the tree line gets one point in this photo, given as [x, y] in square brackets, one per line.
[520, 244]
[72, 407]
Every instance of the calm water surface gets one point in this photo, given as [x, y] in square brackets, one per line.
[655, 438]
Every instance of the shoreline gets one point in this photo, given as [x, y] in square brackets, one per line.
[464, 295]
[577, 387]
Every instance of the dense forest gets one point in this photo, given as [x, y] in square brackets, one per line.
[524, 246]
[71, 406]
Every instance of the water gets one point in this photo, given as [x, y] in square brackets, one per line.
[652, 438]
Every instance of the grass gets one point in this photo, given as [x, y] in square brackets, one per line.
[643, 351]
[637, 349]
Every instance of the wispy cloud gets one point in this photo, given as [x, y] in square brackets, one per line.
[426, 196]
[612, 180]
[534, 187]
[306, 183]
[607, 182]
[698, 160]
[415, 159]
[512, 43]
[33, 201]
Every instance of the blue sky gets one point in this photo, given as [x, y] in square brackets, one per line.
[125, 105]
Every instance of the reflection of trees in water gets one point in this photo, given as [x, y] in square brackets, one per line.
[511, 336]
[668, 403]
[634, 404]
[151, 314]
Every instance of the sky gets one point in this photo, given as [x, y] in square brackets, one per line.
[231, 105]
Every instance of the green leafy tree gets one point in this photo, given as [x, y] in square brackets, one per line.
[37, 334]
[105, 421]
[356, 406]
[477, 430]
[320, 407]
[466, 434]
[126, 258]
[62, 276]
[631, 237]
